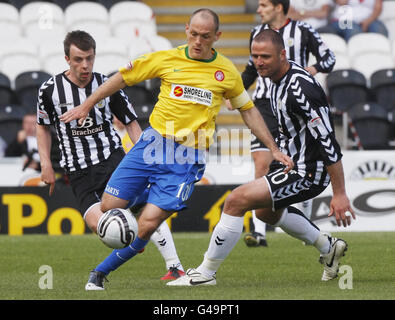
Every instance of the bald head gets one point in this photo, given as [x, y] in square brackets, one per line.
[208, 15]
[202, 32]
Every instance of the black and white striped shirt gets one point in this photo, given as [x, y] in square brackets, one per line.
[300, 40]
[306, 131]
[94, 141]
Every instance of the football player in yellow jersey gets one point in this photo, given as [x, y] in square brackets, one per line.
[170, 154]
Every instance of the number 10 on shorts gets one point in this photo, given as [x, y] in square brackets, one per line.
[184, 191]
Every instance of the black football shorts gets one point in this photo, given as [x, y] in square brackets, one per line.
[88, 184]
[290, 188]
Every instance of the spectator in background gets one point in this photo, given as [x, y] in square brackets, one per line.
[351, 17]
[25, 143]
[314, 12]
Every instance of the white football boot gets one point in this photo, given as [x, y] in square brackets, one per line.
[193, 278]
[332, 258]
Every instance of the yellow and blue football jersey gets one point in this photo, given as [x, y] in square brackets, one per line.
[191, 92]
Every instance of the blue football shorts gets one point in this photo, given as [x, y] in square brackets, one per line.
[158, 171]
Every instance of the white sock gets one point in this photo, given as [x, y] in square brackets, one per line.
[225, 236]
[164, 242]
[322, 243]
[259, 225]
[296, 225]
[306, 207]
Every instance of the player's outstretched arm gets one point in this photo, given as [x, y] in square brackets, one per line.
[340, 204]
[108, 88]
[255, 122]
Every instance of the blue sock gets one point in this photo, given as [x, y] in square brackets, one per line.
[120, 256]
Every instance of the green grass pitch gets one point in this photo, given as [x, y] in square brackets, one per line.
[285, 270]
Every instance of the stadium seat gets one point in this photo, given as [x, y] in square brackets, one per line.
[52, 57]
[342, 62]
[334, 42]
[42, 21]
[390, 24]
[111, 44]
[368, 63]
[126, 10]
[321, 78]
[78, 10]
[111, 54]
[346, 88]
[6, 92]
[158, 43]
[372, 125]
[88, 16]
[129, 19]
[9, 21]
[12, 66]
[388, 11]
[64, 3]
[109, 3]
[382, 84]
[26, 88]
[140, 96]
[18, 4]
[10, 121]
[369, 42]
[17, 56]
[153, 85]
[143, 101]
[96, 29]
[137, 47]
[85, 10]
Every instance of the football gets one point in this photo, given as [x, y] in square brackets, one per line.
[117, 228]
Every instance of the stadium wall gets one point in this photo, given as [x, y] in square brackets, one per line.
[370, 182]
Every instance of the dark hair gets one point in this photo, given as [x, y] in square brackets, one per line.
[272, 36]
[284, 3]
[210, 12]
[81, 39]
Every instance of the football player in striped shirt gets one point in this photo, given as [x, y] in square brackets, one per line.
[307, 136]
[301, 41]
[170, 155]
